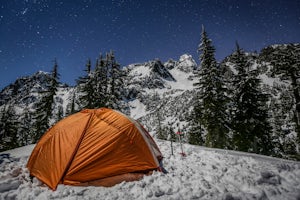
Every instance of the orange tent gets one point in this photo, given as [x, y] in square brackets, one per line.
[94, 147]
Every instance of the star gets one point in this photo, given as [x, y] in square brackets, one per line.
[34, 32]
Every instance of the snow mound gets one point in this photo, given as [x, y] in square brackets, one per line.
[202, 174]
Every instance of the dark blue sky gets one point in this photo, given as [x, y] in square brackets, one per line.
[35, 32]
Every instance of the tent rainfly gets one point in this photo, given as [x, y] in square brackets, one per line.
[94, 147]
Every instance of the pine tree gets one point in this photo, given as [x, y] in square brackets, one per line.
[60, 113]
[2, 123]
[286, 64]
[54, 79]
[102, 87]
[25, 132]
[45, 107]
[101, 82]
[282, 128]
[85, 88]
[115, 83]
[9, 128]
[250, 117]
[41, 116]
[196, 134]
[160, 130]
[210, 107]
[71, 106]
[54, 84]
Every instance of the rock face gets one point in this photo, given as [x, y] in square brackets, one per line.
[147, 86]
[154, 88]
[25, 89]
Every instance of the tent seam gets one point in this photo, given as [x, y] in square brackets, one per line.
[76, 148]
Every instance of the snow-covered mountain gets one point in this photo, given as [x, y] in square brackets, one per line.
[148, 87]
[204, 173]
[165, 89]
[161, 95]
[26, 91]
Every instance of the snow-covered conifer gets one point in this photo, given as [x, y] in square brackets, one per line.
[210, 106]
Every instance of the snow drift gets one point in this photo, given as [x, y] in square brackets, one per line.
[203, 174]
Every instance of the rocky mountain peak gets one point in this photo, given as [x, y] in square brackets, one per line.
[186, 63]
[23, 87]
[157, 68]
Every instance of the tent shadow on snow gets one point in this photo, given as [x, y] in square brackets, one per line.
[94, 147]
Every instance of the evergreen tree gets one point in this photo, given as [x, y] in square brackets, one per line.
[71, 106]
[52, 90]
[41, 116]
[115, 83]
[210, 107]
[286, 64]
[2, 123]
[85, 88]
[283, 131]
[102, 87]
[60, 113]
[54, 83]
[45, 106]
[25, 132]
[101, 82]
[251, 129]
[160, 130]
[196, 134]
[9, 128]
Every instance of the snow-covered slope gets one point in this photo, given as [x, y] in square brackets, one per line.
[203, 174]
[167, 89]
[161, 96]
[25, 89]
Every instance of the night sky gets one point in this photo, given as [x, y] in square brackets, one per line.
[35, 32]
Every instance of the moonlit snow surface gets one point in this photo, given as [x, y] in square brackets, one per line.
[203, 173]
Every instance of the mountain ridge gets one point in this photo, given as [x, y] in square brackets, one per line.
[162, 95]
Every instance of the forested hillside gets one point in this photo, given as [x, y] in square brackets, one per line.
[247, 102]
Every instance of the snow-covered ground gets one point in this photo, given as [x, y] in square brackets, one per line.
[203, 174]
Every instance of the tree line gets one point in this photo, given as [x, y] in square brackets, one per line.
[98, 87]
[232, 111]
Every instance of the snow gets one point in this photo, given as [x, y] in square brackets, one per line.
[186, 62]
[268, 80]
[182, 80]
[65, 94]
[203, 173]
[137, 109]
[139, 71]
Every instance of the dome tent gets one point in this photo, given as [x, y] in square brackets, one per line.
[94, 147]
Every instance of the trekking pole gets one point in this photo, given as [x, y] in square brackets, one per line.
[171, 140]
[179, 135]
